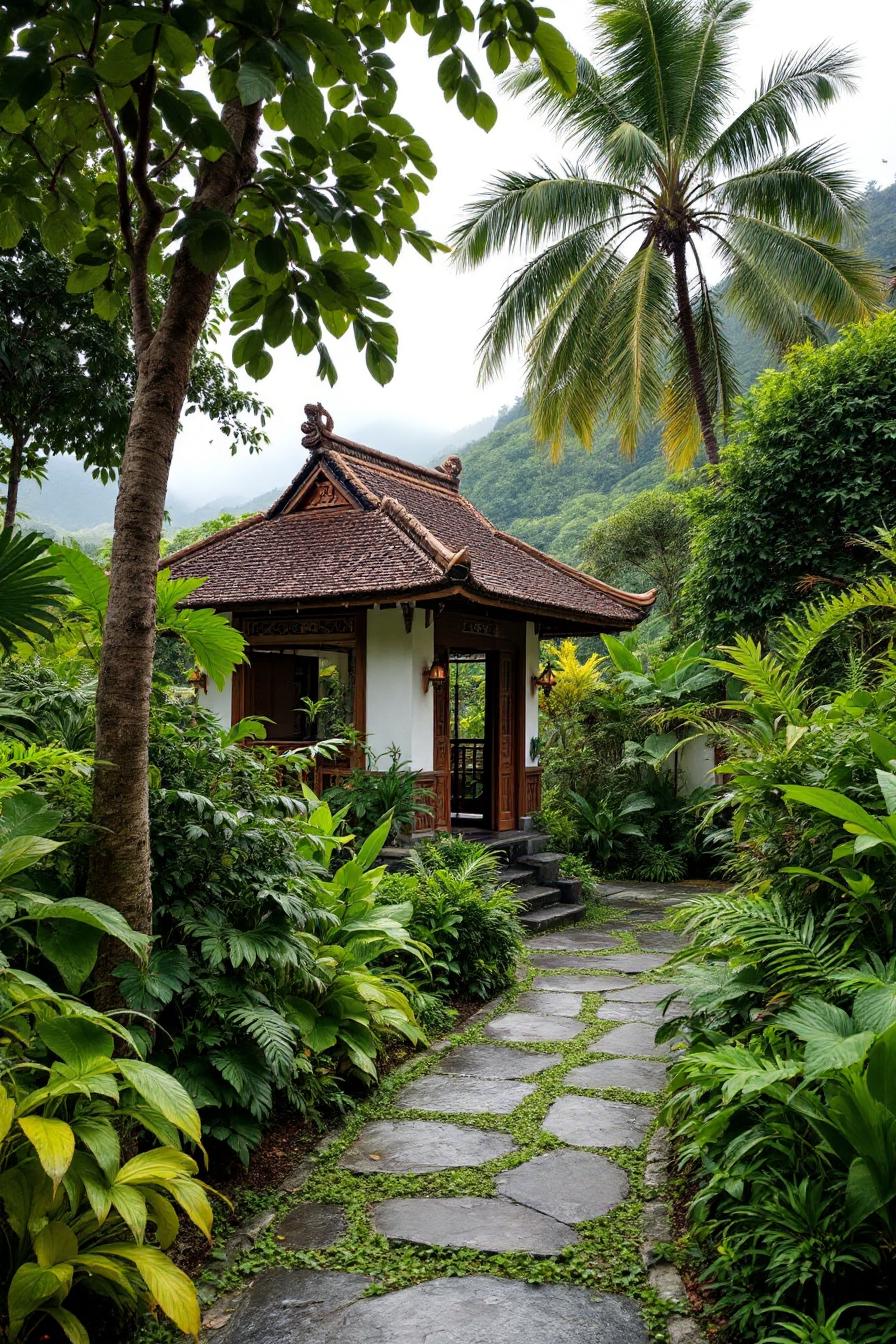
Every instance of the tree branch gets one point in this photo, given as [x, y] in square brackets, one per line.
[121, 174]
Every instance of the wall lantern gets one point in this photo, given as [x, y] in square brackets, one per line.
[435, 675]
[545, 681]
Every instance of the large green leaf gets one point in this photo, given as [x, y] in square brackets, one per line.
[87, 580]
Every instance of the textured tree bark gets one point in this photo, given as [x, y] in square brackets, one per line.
[689, 336]
[16, 455]
[119, 872]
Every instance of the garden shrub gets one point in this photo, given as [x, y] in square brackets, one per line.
[783, 1105]
[809, 466]
[470, 929]
[265, 980]
[85, 1231]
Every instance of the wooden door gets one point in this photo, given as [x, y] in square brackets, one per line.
[441, 756]
[503, 739]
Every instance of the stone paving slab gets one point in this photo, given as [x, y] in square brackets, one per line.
[495, 1061]
[582, 984]
[635, 1075]
[614, 1011]
[286, 1304]
[661, 940]
[649, 993]
[592, 1122]
[635, 963]
[634, 1038]
[496, 1225]
[463, 1096]
[549, 961]
[554, 1003]
[625, 916]
[572, 1187]
[533, 1027]
[418, 1146]
[311, 1227]
[475, 1310]
[575, 940]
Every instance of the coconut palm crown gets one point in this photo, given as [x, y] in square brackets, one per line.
[615, 312]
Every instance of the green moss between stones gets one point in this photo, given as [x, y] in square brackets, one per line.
[607, 1257]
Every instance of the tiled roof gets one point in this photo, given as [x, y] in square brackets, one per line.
[401, 530]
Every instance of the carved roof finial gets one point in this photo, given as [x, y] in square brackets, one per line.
[317, 425]
[452, 467]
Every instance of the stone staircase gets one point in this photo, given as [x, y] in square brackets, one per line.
[532, 871]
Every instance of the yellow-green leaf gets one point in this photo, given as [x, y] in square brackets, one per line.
[169, 1286]
[69, 1324]
[164, 1093]
[55, 1243]
[159, 1164]
[53, 1141]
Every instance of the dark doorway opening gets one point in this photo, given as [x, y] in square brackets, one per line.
[469, 693]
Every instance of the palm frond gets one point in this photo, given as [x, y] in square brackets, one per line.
[807, 190]
[588, 117]
[835, 284]
[529, 292]
[645, 43]
[799, 82]
[565, 359]
[639, 318]
[31, 593]
[524, 209]
[709, 75]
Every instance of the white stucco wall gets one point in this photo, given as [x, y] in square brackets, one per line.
[531, 668]
[219, 702]
[696, 762]
[398, 711]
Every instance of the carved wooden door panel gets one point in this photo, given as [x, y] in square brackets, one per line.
[504, 742]
[441, 756]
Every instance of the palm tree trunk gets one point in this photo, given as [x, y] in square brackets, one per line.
[689, 336]
[119, 861]
[16, 456]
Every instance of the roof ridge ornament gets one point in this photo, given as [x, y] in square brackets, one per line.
[452, 467]
[317, 425]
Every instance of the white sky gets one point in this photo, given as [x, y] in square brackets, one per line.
[439, 313]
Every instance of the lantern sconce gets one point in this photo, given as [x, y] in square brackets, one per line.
[198, 679]
[545, 681]
[436, 675]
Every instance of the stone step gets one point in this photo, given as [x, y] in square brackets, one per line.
[515, 877]
[546, 865]
[516, 844]
[536, 898]
[550, 916]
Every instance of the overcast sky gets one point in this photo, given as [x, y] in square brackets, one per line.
[439, 313]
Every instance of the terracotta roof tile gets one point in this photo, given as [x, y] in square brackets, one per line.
[408, 530]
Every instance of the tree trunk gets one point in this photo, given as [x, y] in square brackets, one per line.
[119, 861]
[16, 455]
[689, 336]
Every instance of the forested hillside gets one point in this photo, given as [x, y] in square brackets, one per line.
[513, 481]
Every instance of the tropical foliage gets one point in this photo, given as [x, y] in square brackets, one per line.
[783, 1102]
[664, 165]
[808, 470]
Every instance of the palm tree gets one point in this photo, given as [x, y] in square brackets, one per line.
[616, 312]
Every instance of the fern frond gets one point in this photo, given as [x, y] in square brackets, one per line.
[767, 678]
[802, 636]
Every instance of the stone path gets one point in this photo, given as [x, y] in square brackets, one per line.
[527, 1143]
